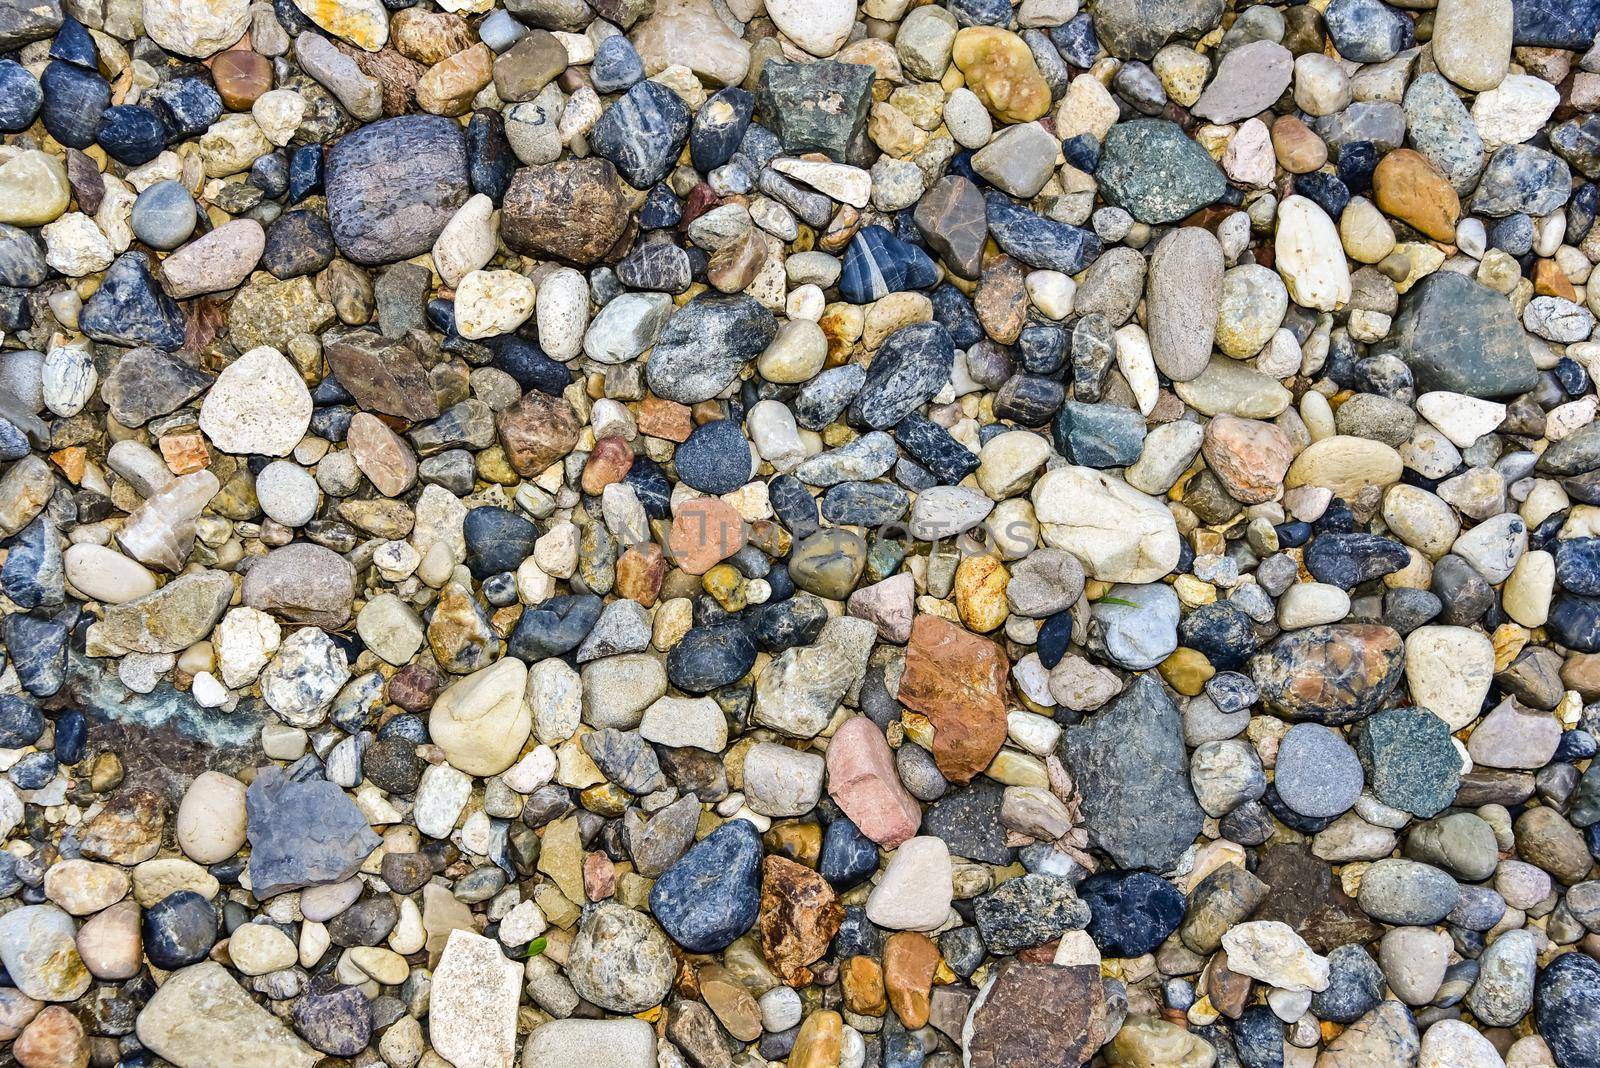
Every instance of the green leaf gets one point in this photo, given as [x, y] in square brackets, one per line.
[535, 948]
[1108, 599]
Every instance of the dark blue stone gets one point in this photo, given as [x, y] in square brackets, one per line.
[711, 657]
[1575, 623]
[786, 624]
[1075, 39]
[21, 722]
[490, 160]
[858, 936]
[299, 242]
[946, 458]
[1055, 635]
[553, 627]
[130, 308]
[14, 312]
[1572, 376]
[794, 506]
[1566, 1009]
[497, 540]
[74, 100]
[1098, 435]
[715, 459]
[38, 650]
[901, 1048]
[651, 485]
[34, 771]
[1576, 745]
[953, 311]
[1292, 535]
[74, 45]
[1581, 211]
[1512, 235]
[719, 128]
[1029, 399]
[305, 172]
[32, 575]
[1221, 631]
[1324, 190]
[10, 880]
[1367, 31]
[712, 894]
[179, 930]
[642, 133]
[20, 96]
[1570, 24]
[864, 504]
[911, 366]
[878, 263]
[662, 209]
[1355, 986]
[270, 174]
[1347, 560]
[1357, 161]
[616, 66]
[1578, 565]
[1258, 1038]
[529, 365]
[187, 106]
[131, 134]
[1131, 912]
[980, 12]
[1083, 152]
[1042, 349]
[848, 857]
[72, 735]
[1038, 241]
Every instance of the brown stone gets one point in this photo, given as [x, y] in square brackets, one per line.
[450, 84]
[1332, 674]
[529, 65]
[1001, 302]
[959, 681]
[54, 1039]
[413, 688]
[736, 264]
[1307, 897]
[1001, 71]
[1228, 990]
[1038, 1016]
[909, 961]
[954, 222]
[397, 76]
[241, 76]
[662, 418]
[127, 830]
[640, 570]
[381, 454]
[861, 982]
[429, 36]
[537, 431]
[799, 916]
[730, 1001]
[608, 462]
[573, 210]
[796, 840]
[1298, 148]
[599, 876]
[705, 532]
[185, 453]
[88, 184]
[382, 374]
[1581, 672]
[1409, 187]
[819, 1041]
[1249, 456]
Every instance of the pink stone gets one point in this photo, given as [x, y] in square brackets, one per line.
[889, 605]
[863, 782]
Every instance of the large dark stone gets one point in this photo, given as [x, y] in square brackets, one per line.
[1331, 674]
[1463, 337]
[392, 186]
[712, 894]
[819, 106]
[302, 833]
[129, 308]
[1131, 912]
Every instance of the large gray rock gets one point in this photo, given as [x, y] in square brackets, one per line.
[1460, 336]
[392, 186]
[302, 833]
[200, 1018]
[620, 960]
[1136, 29]
[1129, 764]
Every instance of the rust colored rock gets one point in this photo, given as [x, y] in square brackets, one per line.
[640, 571]
[382, 374]
[54, 1039]
[1037, 1016]
[241, 77]
[573, 210]
[799, 916]
[1409, 187]
[959, 681]
[413, 688]
[450, 84]
[1249, 456]
[862, 781]
[661, 418]
[1333, 674]
[705, 532]
[607, 463]
[909, 960]
[861, 982]
[537, 431]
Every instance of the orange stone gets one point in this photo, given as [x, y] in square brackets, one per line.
[819, 1042]
[799, 916]
[960, 682]
[705, 532]
[1297, 146]
[664, 419]
[71, 461]
[241, 77]
[1549, 280]
[54, 1039]
[861, 980]
[185, 453]
[640, 570]
[909, 960]
[1409, 187]
[608, 463]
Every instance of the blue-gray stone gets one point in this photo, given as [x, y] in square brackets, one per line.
[188, 105]
[179, 930]
[337, 1020]
[1155, 171]
[848, 857]
[1367, 31]
[298, 242]
[22, 263]
[705, 344]
[1566, 1009]
[1036, 240]
[1131, 912]
[74, 100]
[616, 65]
[38, 652]
[911, 366]
[946, 458]
[32, 575]
[393, 185]
[710, 657]
[712, 894]
[20, 96]
[1409, 759]
[1355, 986]
[1570, 24]
[1457, 335]
[820, 400]
[878, 263]
[715, 459]
[1136, 29]
[130, 308]
[820, 106]
[553, 627]
[302, 833]
[642, 133]
[1028, 911]
[719, 127]
[864, 504]
[1521, 178]
[498, 540]
[164, 215]
[1098, 435]
[131, 134]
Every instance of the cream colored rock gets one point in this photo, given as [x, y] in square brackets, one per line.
[818, 26]
[489, 303]
[467, 242]
[105, 575]
[1271, 951]
[1310, 256]
[259, 948]
[482, 721]
[195, 28]
[1448, 670]
[1120, 534]
[33, 189]
[1527, 593]
[211, 819]
[364, 23]
[259, 405]
[1345, 465]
